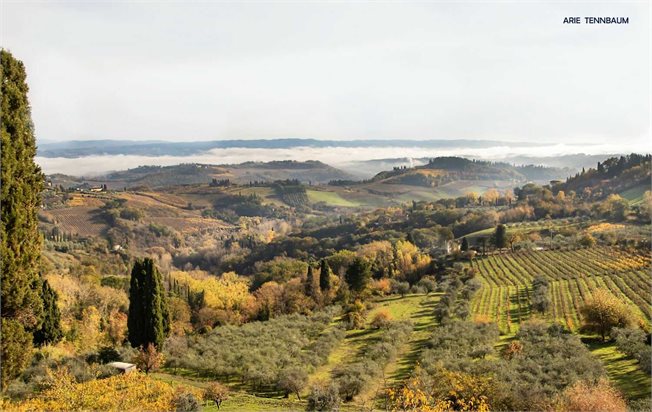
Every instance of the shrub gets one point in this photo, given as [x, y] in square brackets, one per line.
[131, 214]
[351, 379]
[402, 288]
[591, 396]
[428, 284]
[108, 354]
[292, 380]
[324, 398]
[633, 343]
[133, 391]
[381, 320]
[185, 402]
[217, 393]
[355, 315]
[148, 359]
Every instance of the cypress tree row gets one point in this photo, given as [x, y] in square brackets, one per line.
[310, 282]
[50, 330]
[148, 320]
[21, 183]
[325, 276]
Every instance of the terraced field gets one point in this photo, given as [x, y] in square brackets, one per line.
[82, 221]
[573, 274]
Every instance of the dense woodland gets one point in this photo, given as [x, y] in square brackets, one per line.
[254, 295]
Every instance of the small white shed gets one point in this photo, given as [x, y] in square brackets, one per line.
[123, 366]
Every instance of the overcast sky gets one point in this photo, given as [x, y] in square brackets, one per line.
[199, 71]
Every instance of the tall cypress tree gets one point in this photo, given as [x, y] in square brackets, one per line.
[500, 236]
[325, 276]
[310, 282]
[149, 318]
[21, 182]
[50, 330]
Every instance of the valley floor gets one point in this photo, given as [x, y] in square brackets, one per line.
[623, 371]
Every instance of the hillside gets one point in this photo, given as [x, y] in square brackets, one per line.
[153, 177]
[235, 262]
[612, 176]
[441, 170]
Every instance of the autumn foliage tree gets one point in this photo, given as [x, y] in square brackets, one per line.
[591, 397]
[217, 393]
[603, 311]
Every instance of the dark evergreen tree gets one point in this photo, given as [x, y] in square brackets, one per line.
[465, 244]
[500, 236]
[483, 243]
[21, 182]
[196, 302]
[50, 330]
[310, 282]
[325, 276]
[409, 238]
[149, 319]
[16, 349]
[358, 274]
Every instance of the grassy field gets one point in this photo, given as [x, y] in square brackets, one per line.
[623, 371]
[635, 194]
[529, 227]
[418, 309]
[330, 198]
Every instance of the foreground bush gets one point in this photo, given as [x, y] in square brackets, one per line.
[324, 398]
[129, 392]
[588, 397]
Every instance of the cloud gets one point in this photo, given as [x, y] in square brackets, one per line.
[192, 71]
[341, 157]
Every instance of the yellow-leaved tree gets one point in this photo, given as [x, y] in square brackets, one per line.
[128, 392]
[227, 292]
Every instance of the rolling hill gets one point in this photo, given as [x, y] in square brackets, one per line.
[154, 177]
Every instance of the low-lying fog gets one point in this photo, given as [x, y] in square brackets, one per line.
[345, 158]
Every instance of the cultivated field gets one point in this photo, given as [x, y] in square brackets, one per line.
[83, 220]
[573, 274]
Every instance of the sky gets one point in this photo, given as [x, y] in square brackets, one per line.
[333, 70]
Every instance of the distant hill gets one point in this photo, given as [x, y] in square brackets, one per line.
[613, 175]
[184, 174]
[80, 148]
[443, 170]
